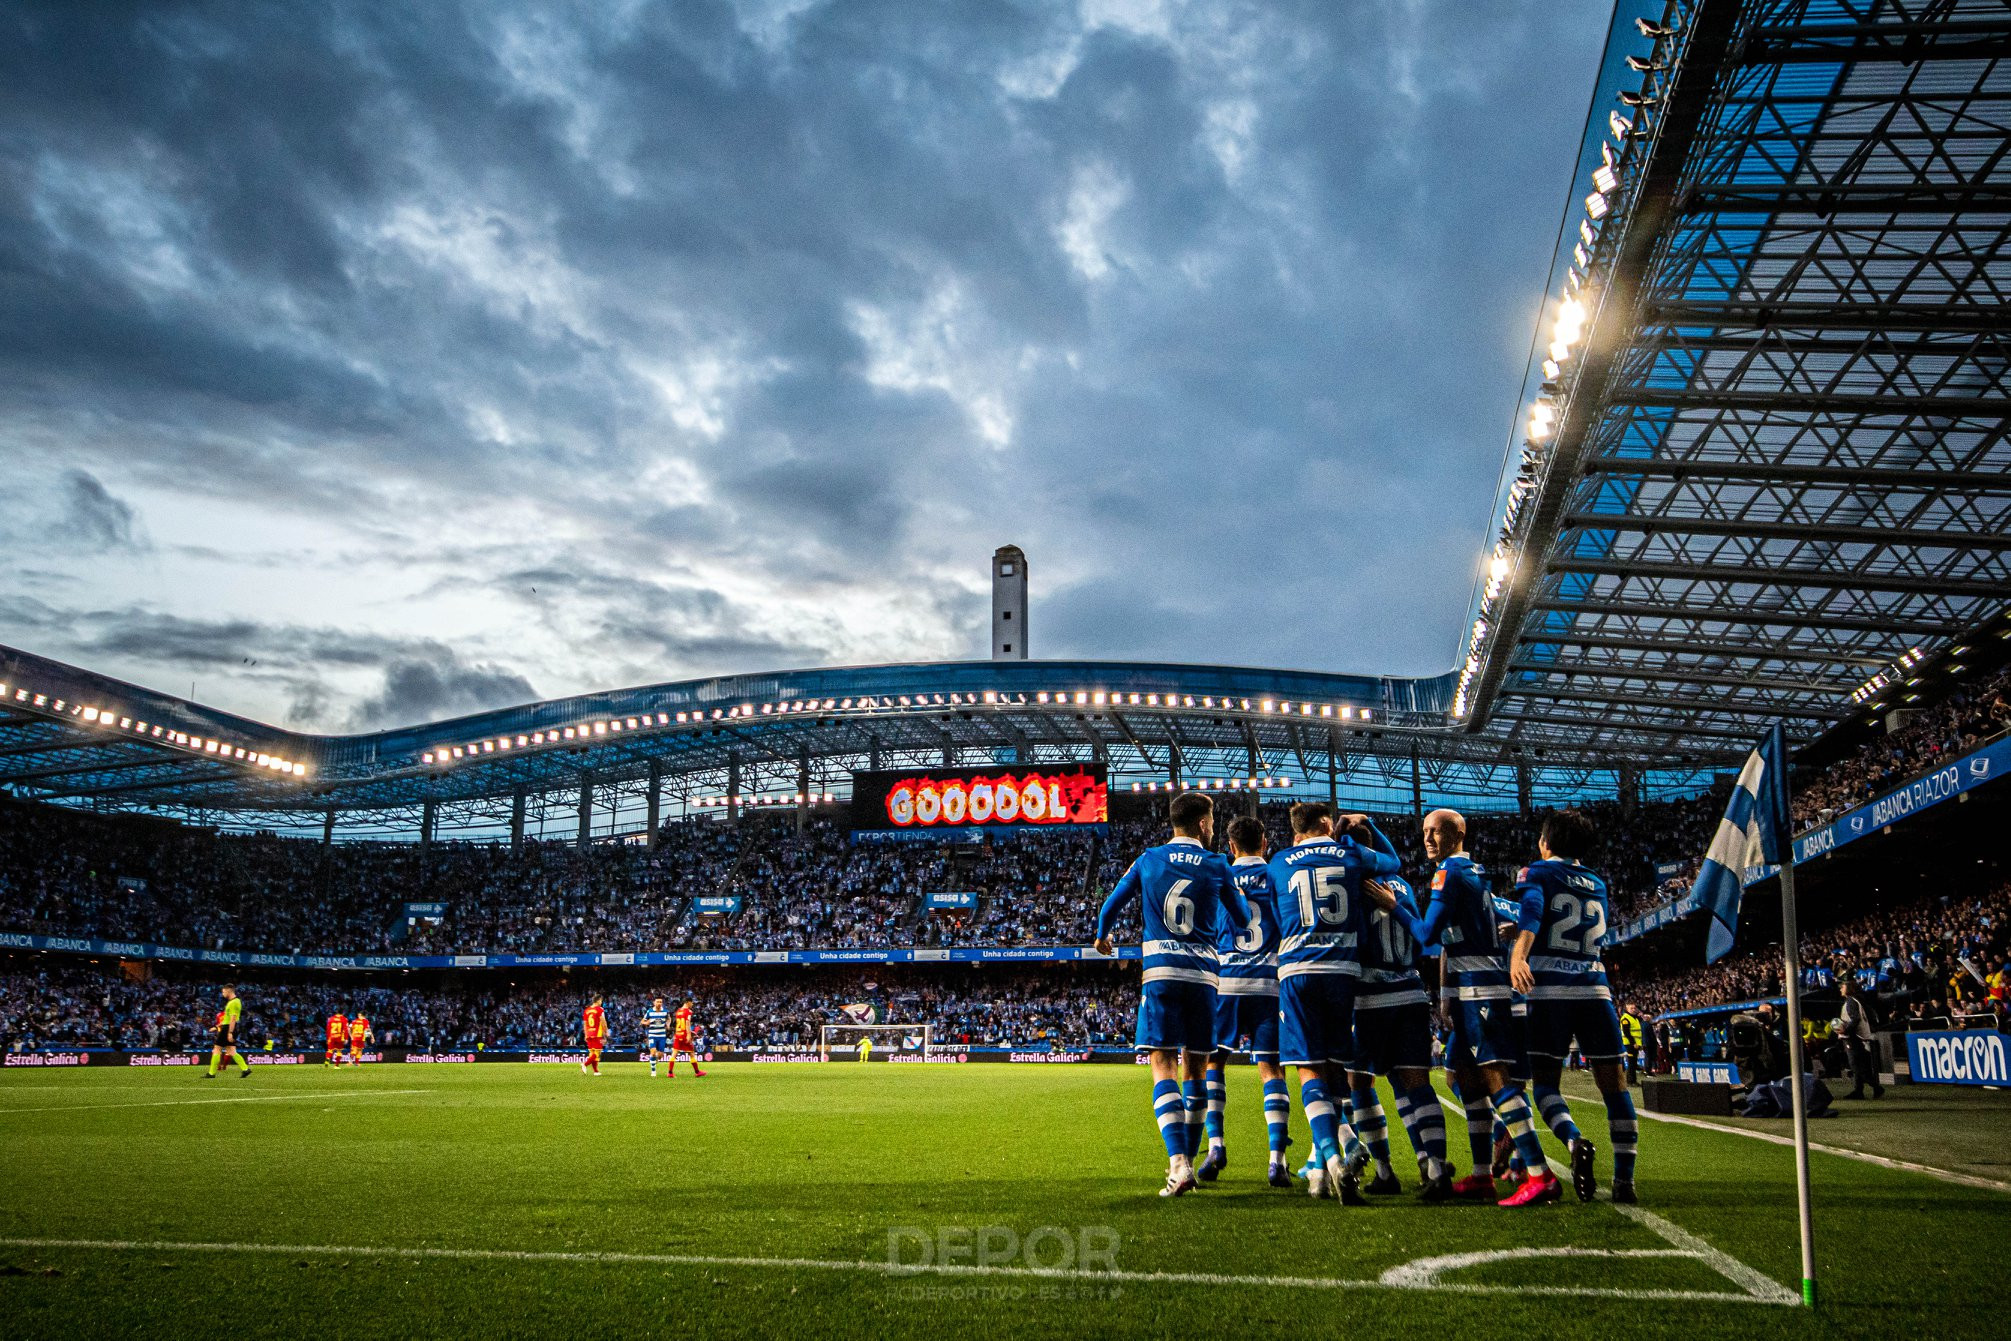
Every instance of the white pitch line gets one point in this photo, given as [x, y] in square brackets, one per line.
[1844, 1152]
[870, 1267]
[1763, 1288]
[1423, 1273]
[242, 1099]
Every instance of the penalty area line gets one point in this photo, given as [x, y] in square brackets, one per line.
[239, 1099]
[1422, 1282]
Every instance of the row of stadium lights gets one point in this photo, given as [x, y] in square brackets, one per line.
[1572, 315]
[153, 731]
[1196, 785]
[792, 799]
[1892, 674]
[1213, 785]
[1097, 698]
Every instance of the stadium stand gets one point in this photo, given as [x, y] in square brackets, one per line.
[1923, 962]
[1968, 718]
[63, 873]
[48, 1004]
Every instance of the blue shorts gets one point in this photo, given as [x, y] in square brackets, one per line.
[1484, 1033]
[1316, 1019]
[1176, 1016]
[1392, 1038]
[1247, 1024]
[1594, 1023]
[656, 1043]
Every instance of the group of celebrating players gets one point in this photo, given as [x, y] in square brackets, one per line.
[1309, 958]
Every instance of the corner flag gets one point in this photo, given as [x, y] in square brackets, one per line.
[1755, 831]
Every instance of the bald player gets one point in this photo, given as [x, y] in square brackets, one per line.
[1461, 918]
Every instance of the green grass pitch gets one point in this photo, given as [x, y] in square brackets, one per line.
[761, 1200]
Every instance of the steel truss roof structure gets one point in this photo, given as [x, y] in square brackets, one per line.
[1773, 463]
[74, 736]
[1766, 462]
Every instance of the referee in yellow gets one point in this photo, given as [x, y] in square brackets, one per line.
[226, 1035]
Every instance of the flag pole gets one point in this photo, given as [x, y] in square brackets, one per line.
[1791, 939]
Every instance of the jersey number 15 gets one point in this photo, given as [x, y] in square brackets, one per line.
[1323, 896]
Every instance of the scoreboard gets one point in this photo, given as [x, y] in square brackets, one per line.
[998, 796]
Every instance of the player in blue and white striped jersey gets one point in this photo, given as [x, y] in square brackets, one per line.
[1316, 884]
[1556, 963]
[656, 1032]
[1182, 888]
[1393, 1038]
[1461, 918]
[1246, 1004]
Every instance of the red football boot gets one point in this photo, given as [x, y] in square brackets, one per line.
[1535, 1190]
[1474, 1187]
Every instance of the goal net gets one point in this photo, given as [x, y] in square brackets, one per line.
[840, 1042]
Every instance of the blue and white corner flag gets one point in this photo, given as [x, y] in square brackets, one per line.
[1754, 832]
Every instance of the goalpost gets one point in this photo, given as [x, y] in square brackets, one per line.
[842, 1040]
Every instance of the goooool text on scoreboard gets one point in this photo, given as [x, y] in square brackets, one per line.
[1005, 796]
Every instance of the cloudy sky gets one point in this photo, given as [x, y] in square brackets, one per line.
[361, 364]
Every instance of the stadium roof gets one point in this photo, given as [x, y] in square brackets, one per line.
[72, 735]
[1766, 462]
[1767, 458]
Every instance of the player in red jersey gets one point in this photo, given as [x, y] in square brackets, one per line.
[681, 1040]
[359, 1034]
[593, 1024]
[338, 1039]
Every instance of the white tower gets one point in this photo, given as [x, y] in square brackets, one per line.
[1009, 604]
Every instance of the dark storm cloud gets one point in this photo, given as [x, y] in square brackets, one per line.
[91, 517]
[753, 328]
[415, 679]
[426, 690]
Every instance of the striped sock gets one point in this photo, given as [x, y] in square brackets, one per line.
[1195, 1097]
[1350, 1143]
[1625, 1130]
[1427, 1128]
[1320, 1117]
[1515, 1115]
[1218, 1100]
[1277, 1113]
[1556, 1113]
[1171, 1115]
[1480, 1133]
[1374, 1128]
[1408, 1117]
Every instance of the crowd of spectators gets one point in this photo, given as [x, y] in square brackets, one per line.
[1943, 731]
[1931, 960]
[117, 878]
[57, 1004]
